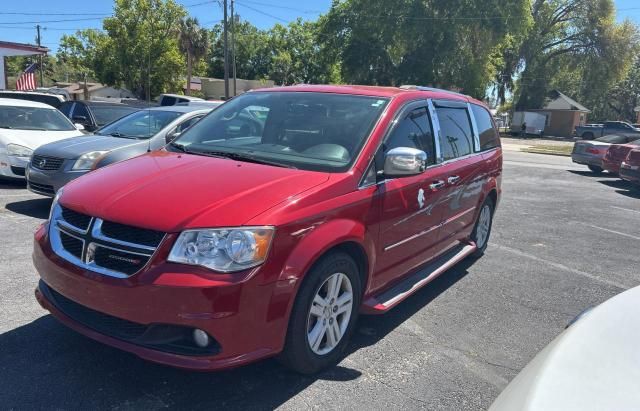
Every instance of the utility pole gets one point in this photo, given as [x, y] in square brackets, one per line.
[40, 57]
[233, 47]
[226, 53]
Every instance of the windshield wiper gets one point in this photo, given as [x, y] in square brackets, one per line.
[245, 157]
[117, 134]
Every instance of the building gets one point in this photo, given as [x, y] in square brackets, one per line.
[563, 114]
[8, 49]
[213, 88]
[94, 91]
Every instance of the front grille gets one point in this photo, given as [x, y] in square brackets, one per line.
[46, 163]
[122, 232]
[76, 219]
[19, 171]
[41, 188]
[72, 244]
[106, 247]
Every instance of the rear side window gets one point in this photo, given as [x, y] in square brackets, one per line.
[488, 135]
[414, 131]
[456, 137]
[168, 101]
[81, 111]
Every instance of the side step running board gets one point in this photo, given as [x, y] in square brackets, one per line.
[381, 303]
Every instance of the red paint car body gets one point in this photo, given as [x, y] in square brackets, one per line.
[630, 167]
[616, 154]
[382, 224]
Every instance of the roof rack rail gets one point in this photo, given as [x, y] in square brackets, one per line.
[424, 88]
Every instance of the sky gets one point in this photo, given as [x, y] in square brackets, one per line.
[58, 17]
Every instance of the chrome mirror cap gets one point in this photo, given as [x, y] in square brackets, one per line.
[404, 161]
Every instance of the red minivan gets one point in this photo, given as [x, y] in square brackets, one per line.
[268, 226]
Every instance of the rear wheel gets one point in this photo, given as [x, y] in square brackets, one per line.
[595, 169]
[323, 315]
[482, 229]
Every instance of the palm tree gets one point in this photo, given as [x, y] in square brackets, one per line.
[194, 42]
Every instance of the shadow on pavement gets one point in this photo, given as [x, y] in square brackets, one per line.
[632, 192]
[36, 207]
[44, 365]
[587, 173]
[12, 184]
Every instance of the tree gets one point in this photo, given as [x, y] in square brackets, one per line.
[194, 43]
[140, 47]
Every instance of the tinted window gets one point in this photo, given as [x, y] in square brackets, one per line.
[141, 124]
[33, 118]
[65, 108]
[414, 131]
[81, 111]
[307, 130]
[188, 123]
[107, 114]
[168, 101]
[456, 137]
[488, 135]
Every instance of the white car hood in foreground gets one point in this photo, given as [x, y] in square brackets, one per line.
[593, 365]
[34, 138]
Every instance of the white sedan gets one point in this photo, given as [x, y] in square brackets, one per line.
[593, 365]
[25, 126]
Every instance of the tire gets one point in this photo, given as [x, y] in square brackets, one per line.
[487, 207]
[587, 136]
[595, 169]
[298, 353]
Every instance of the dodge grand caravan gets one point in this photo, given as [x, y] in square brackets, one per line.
[268, 226]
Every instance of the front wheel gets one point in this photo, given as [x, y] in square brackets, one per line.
[595, 169]
[323, 315]
[482, 229]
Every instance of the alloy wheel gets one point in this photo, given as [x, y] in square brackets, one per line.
[484, 224]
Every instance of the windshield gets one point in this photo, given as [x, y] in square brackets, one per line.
[313, 131]
[613, 139]
[34, 118]
[107, 114]
[142, 124]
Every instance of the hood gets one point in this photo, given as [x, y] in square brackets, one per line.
[72, 148]
[35, 138]
[171, 192]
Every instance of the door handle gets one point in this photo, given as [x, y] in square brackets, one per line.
[437, 184]
[453, 179]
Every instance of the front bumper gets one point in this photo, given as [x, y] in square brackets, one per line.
[13, 167]
[587, 160]
[48, 183]
[236, 311]
[630, 175]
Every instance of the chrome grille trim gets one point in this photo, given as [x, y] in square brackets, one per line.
[58, 225]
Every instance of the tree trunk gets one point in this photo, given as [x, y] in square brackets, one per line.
[189, 68]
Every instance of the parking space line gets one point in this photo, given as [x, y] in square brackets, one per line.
[614, 232]
[626, 209]
[560, 266]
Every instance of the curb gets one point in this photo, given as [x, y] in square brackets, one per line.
[549, 152]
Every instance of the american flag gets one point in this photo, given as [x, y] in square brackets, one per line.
[27, 79]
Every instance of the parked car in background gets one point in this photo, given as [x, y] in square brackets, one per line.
[201, 103]
[94, 114]
[591, 153]
[173, 99]
[535, 123]
[270, 224]
[630, 167]
[54, 165]
[589, 132]
[593, 365]
[53, 99]
[615, 155]
[25, 126]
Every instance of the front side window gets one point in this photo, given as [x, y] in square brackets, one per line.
[414, 131]
[65, 108]
[34, 118]
[306, 130]
[107, 114]
[142, 124]
[456, 137]
[488, 135]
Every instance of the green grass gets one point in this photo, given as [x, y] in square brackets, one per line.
[559, 150]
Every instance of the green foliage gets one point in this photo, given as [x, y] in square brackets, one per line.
[194, 42]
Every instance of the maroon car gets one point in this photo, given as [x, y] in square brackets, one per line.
[591, 152]
[616, 154]
[630, 167]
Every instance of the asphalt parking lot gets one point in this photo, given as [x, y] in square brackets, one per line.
[563, 240]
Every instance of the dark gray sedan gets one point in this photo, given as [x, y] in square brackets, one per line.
[53, 165]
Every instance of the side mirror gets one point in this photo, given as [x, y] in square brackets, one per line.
[172, 136]
[404, 161]
[79, 127]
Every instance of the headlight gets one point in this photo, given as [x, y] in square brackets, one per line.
[88, 161]
[54, 203]
[18, 150]
[225, 249]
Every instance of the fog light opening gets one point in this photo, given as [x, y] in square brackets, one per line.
[201, 338]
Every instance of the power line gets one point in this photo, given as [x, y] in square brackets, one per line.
[259, 3]
[263, 13]
[16, 13]
[13, 23]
